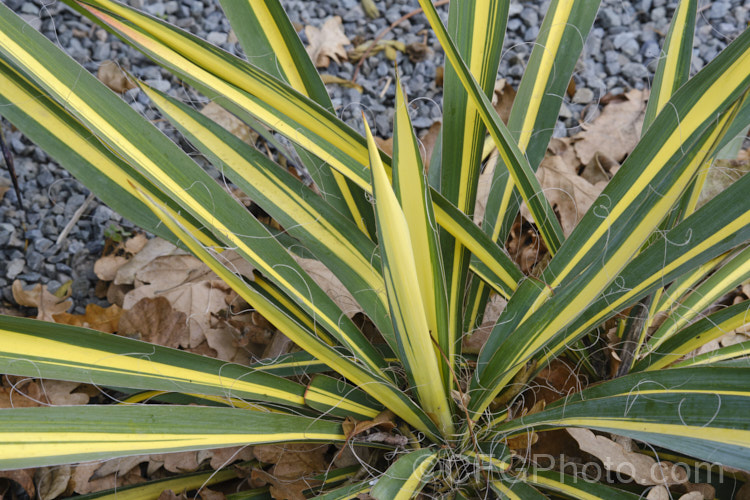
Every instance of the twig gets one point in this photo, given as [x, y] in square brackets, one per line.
[387, 30]
[73, 220]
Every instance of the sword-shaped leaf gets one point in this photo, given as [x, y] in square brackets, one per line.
[699, 411]
[406, 477]
[411, 191]
[34, 437]
[408, 313]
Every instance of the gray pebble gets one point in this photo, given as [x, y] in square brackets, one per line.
[635, 71]
[15, 267]
[583, 96]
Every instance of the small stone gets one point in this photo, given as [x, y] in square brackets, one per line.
[101, 51]
[718, 10]
[583, 96]
[635, 71]
[161, 85]
[217, 38]
[15, 267]
[34, 260]
[608, 18]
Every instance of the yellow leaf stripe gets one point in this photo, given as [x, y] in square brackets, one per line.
[404, 296]
[33, 444]
[16, 346]
[377, 387]
[112, 132]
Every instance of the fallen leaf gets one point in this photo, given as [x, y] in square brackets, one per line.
[427, 144]
[658, 493]
[386, 145]
[390, 47]
[327, 42]
[569, 194]
[52, 482]
[616, 131]
[502, 99]
[47, 303]
[154, 248]
[61, 393]
[384, 420]
[370, 9]
[417, 51]
[615, 457]
[330, 285]
[331, 79]
[171, 270]
[475, 339]
[107, 266]
[24, 477]
[96, 317]
[111, 75]
[293, 464]
[85, 479]
[153, 320]
[230, 122]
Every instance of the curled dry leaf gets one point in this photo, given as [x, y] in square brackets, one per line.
[153, 320]
[475, 340]
[156, 247]
[293, 465]
[616, 131]
[569, 194]
[47, 303]
[84, 478]
[330, 285]
[24, 477]
[104, 319]
[111, 75]
[615, 457]
[327, 42]
[52, 482]
[230, 122]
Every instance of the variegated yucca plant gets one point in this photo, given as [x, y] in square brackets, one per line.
[405, 247]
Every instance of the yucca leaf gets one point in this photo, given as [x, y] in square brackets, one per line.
[71, 144]
[334, 239]
[379, 387]
[737, 352]
[677, 164]
[299, 118]
[514, 489]
[406, 477]
[408, 313]
[33, 437]
[537, 104]
[574, 486]
[478, 28]
[38, 349]
[271, 43]
[681, 137]
[518, 166]
[674, 62]
[217, 73]
[732, 273]
[151, 490]
[505, 272]
[165, 165]
[694, 336]
[716, 228]
[700, 411]
[411, 191]
[346, 492]
[335, 397]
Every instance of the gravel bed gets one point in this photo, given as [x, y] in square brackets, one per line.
[620, 53]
